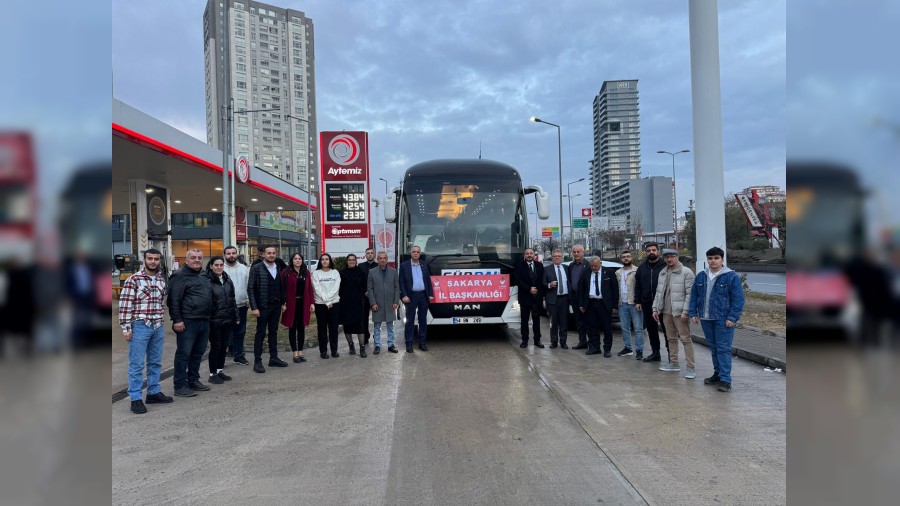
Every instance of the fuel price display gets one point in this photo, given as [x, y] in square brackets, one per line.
[345, 202]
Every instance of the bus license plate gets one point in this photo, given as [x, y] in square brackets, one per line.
[467, 319]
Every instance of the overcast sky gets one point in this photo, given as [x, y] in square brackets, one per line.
[433, 79]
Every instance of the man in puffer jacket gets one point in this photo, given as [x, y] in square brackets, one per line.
[671, 304]
[717, 299]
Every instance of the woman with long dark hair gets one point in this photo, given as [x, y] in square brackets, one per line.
[326, 283]
[298, 292]
[353, 300]
[224, 316]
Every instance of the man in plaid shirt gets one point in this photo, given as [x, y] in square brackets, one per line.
[141, 319]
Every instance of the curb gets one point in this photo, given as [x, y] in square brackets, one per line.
[763, 331]
[746, 354]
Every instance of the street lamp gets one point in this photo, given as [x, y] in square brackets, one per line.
[571, 222]
[559, 152]
[674, 204]
[385, 185]
[535, 229]
[308, 186]
[569, 190]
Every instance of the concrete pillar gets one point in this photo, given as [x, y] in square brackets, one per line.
[709, 177]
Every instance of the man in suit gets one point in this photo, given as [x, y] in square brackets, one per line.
[557, 280]
[416, 293]
[530, 279]
[266, 296]
[577, 269]
[384, 298]
[369, 265]
[597, 299]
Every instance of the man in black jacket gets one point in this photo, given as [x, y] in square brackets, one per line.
[530, 280]
[190, 307]
[645, 282]
[266, 294]
[368, 265]
[598, 297]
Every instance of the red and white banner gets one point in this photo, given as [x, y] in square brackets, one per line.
[471, 288]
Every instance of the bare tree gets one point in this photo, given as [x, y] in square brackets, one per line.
[615, 238]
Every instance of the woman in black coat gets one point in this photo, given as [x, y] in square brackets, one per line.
[224, 316]
[353, 300]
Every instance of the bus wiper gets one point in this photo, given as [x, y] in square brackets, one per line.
[460, 255]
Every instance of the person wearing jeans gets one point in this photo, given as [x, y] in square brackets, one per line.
[629, 315]
[717, 300]
[383, 289]
[190, 307]
[239, 274]
[141, 319]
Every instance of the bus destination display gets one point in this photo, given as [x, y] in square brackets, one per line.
[345, 202]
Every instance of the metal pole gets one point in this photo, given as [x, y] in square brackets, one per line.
[226, 233]
[559, 153]
[674, 205]
[232, 234]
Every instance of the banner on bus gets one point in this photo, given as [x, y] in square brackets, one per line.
[471, 288]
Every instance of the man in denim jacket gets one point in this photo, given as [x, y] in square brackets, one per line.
[717, 299]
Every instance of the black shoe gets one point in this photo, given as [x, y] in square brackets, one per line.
[553, 346]
[197, 385]
[362, 353]
[639, 355]
[335, 354]
[579, 346]
[377, 350]
[324, 355]
[137, 407]
[724, 386]
[409, 349]
[296, 360]
[712, 380]
[224, 376]
[258, 367]
[538, 344]
[241, 360]
[185, 392]
[392, 349]
[592, 352]
[524, 344]
[653, 357]
[352, 350]
[423, 347]
[277, 362]
[302, 358]
[159, 398]
[607, 354]
[625, 352]
[564, 346]
[215, 379]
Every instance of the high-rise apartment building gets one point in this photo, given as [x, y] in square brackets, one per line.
[617, 144]
[263, 57]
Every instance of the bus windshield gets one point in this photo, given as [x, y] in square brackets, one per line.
[469, 217]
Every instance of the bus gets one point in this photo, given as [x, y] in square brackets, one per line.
[470, 221]
[826, 220]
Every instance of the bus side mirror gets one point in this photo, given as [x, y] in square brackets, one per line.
[541, 200]
[390, 205]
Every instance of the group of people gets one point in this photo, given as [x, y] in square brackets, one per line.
[661, 294]
[212, 305]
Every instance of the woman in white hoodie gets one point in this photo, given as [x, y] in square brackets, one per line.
[326, 281]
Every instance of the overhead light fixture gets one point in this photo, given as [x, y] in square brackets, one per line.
[218, 189]
[280, 208]
[254, 200]
[214, 209]
[177, 201]
[148, 190]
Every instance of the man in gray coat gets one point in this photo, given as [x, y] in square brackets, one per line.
[384, 298]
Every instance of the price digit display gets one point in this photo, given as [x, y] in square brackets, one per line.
[345, 202]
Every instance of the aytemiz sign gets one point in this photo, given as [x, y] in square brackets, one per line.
[344, 176]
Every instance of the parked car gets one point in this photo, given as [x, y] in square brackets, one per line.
[312, 264]
[607, 265]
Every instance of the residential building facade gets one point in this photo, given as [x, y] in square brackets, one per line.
[617, 145]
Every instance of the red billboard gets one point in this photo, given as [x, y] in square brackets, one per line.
[344, 190]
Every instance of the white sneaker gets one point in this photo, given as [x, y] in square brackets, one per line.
[670, 367]
[690, 374]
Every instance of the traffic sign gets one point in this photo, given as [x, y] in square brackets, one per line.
[586, 212]
[580, 223]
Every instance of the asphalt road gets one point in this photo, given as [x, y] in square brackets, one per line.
[476, 420]
[767, 282]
